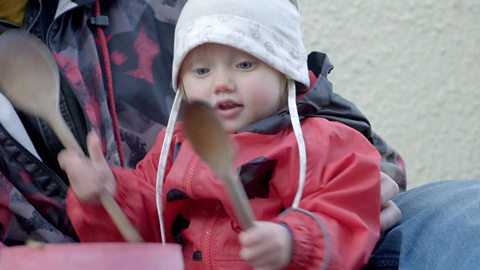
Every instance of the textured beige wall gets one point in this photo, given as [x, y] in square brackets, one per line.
[413, 67]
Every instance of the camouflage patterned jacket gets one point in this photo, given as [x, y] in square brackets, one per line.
[137, 37]
[115, 63]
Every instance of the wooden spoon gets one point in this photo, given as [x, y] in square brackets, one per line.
[210, 141]
[29, 79]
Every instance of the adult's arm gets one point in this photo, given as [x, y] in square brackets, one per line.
[336, 108]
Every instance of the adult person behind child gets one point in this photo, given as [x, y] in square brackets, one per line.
[139, 45]
[125, 45]
[313, 188]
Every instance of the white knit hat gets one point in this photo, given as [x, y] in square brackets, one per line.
[267, 29]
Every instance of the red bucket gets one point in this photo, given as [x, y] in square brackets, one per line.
[93, 256]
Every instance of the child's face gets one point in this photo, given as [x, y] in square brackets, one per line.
[241, 88]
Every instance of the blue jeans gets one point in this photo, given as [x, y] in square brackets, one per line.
[440, 229]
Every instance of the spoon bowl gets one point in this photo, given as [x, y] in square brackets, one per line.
[210, 141]
[29, 79]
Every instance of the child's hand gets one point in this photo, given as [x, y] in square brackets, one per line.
[88, 177]
[266, 245]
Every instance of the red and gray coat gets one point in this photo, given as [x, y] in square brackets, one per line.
[336, 225]
[139, 42]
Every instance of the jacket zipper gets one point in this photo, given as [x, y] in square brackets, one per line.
[212, 220]
[209, 236]
[48, 43]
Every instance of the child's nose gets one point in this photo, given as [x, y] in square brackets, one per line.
[223, 83]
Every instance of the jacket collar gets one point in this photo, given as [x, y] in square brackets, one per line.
[66, 5]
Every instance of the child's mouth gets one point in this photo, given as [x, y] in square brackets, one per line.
[228, 109]
[227, 105]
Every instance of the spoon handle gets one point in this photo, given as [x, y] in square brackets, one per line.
[119, 218]
[63, 132]
[239, 200]
[127, 230]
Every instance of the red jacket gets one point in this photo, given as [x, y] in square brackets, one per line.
[342, 189]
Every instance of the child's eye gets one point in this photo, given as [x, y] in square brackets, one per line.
[201, 71]
[246, 65]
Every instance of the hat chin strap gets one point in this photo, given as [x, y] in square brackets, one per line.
[297, 129]
[162, 161]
